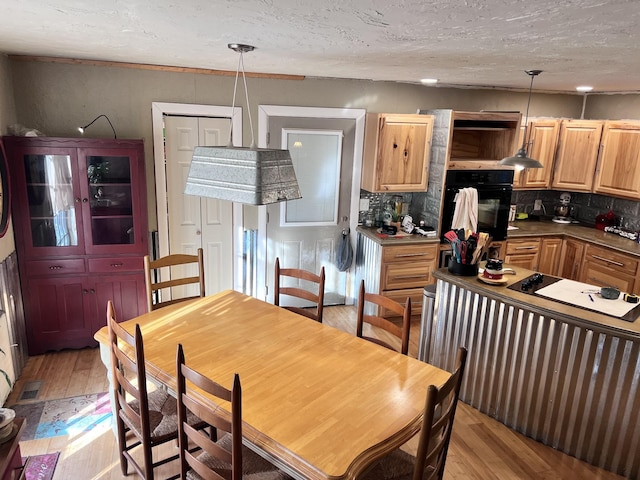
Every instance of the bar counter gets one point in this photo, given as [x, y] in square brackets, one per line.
[565, 376]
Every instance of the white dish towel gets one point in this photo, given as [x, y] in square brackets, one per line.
[465, 214]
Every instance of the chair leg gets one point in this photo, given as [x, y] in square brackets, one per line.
[122, 445]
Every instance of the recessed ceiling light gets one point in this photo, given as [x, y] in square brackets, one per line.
[584, 88]
[429, 81]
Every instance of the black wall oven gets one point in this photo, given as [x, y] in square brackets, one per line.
[494, 199]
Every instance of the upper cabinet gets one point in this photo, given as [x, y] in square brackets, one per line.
[481, 139]
[396, 152]
[542, 138]
[618, 171]
[577, 155]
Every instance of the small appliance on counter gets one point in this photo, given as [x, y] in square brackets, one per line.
[563, 210]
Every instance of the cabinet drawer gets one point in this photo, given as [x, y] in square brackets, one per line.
[400, 296]
[409, 253]
[517, 247]
[406, 275]
[116, 264]
[614, 260]
[603, 276]
[55, 267]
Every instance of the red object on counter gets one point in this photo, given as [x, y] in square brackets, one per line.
[605, 220]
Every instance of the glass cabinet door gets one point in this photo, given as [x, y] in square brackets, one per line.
[53, 205]
[111, 209]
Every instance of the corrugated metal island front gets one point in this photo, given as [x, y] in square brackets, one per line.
[565, 376]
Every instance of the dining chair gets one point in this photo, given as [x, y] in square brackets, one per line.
[143, 418]
[378, 321]
[316, 296]
[226, 458]
[435, 434]
[173, 262]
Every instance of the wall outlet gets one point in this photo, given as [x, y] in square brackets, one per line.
[364, 204]
[537, 205]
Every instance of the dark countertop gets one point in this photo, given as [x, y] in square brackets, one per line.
[386, 240]
[529, 228]
[553, 309]
[526, 228]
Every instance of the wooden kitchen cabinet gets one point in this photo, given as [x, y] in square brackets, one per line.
[406, 270]
[550, 254]
[523, 253]
[618, 172]
[577, 155]
[397, 149]
[542, 138]
[80, 221]
[608, 268]
[571, 259]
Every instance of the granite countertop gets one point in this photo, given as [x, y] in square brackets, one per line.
[529, 228]
[553, 309]
[385, 240]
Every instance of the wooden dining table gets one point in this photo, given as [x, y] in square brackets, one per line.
[318, 402]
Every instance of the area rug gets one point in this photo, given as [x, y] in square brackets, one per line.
[41, 467]
[66, 416]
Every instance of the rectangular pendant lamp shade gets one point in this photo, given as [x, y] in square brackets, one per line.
[254, 176]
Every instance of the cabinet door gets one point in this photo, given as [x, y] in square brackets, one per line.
[46, 209]
[113, 199]
[542, 138]
[550, 253]
[602, 276]
[523, 253]
[577, 155]
[127, 292]
[397, 153]
[619, 169]
[59, 314]
[572, 254]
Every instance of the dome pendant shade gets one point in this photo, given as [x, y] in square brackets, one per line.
[520, 159]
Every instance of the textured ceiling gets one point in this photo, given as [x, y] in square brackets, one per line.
[464, 43]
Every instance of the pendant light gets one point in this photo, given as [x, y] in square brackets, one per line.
[253, 176]
[520, 159]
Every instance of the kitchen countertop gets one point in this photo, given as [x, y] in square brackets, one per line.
[526, 228]
[553, 309]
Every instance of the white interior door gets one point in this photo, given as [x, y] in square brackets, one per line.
[306, 234]
[195, 222]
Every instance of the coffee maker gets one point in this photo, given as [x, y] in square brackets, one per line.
[563, 210]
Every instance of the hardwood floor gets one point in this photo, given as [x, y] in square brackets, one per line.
[481, 448]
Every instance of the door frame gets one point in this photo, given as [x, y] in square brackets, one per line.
[158, 110]
[356, 114]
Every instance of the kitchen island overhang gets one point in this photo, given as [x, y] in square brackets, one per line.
[565, 376]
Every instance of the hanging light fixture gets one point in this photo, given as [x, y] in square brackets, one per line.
[520, 159]
[254, 176]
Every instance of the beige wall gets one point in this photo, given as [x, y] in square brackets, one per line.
[7, 117]
[57, 98]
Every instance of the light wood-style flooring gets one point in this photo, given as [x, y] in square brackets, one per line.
[481, 448]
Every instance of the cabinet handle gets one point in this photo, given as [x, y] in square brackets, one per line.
[85, 291]
[401, 255]
[56, 267]
[77, 200]
[525, 248]
[92, 291]
[85, 200]
[117, 265]
[403, 277]
[606, 260]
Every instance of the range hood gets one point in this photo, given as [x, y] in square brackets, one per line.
[254, 176]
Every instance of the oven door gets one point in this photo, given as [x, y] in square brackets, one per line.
[494, 202]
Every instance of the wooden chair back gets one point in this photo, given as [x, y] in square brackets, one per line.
[437, 424]
[404, 312]
[154, 287]
[132, 404]
[229, 454]
[316, 296]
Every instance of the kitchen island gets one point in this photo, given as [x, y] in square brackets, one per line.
[565, 376]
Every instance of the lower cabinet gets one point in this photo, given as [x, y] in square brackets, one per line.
[550, 254]
[523, 253]
[571, 263]
[607, 268]
[65, 312]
